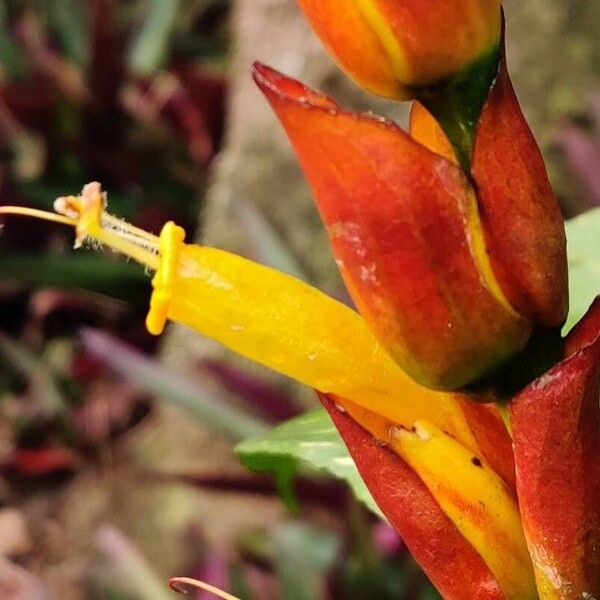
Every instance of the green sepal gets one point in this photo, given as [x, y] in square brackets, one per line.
[456, 103]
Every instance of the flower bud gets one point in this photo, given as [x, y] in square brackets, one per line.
[390, 46]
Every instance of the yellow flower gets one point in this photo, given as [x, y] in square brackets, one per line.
[440, 466]
[459, 450]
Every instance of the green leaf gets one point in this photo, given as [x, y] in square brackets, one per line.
[311, 440]
[69, 21]
[583, 238]
[303, 557]
[149, 49]
[92, 272]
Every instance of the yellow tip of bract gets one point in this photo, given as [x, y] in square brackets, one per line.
[471, 494]
[390, 46]
[477, 501]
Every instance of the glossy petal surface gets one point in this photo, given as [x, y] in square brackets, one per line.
[440, 37]
[354, 44]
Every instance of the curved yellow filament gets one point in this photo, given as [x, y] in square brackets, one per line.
[86, 214]
[24, 211]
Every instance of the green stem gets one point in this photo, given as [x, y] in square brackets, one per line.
[457, 103]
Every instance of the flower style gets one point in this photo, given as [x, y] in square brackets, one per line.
[454, 259]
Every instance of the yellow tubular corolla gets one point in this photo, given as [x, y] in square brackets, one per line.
[295, 329]
[263, 314]
[476, 500]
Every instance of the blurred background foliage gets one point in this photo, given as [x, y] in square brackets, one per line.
[116, 462]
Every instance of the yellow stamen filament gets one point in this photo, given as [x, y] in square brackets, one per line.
[86, 214]
[37, 214]
[108, 221]
[179, 584]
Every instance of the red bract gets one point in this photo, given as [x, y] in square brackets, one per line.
[491, 436]
[458, 572]
[556, 425]
[519, 213]
[411, 240]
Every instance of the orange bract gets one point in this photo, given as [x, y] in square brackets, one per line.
[404, 227]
